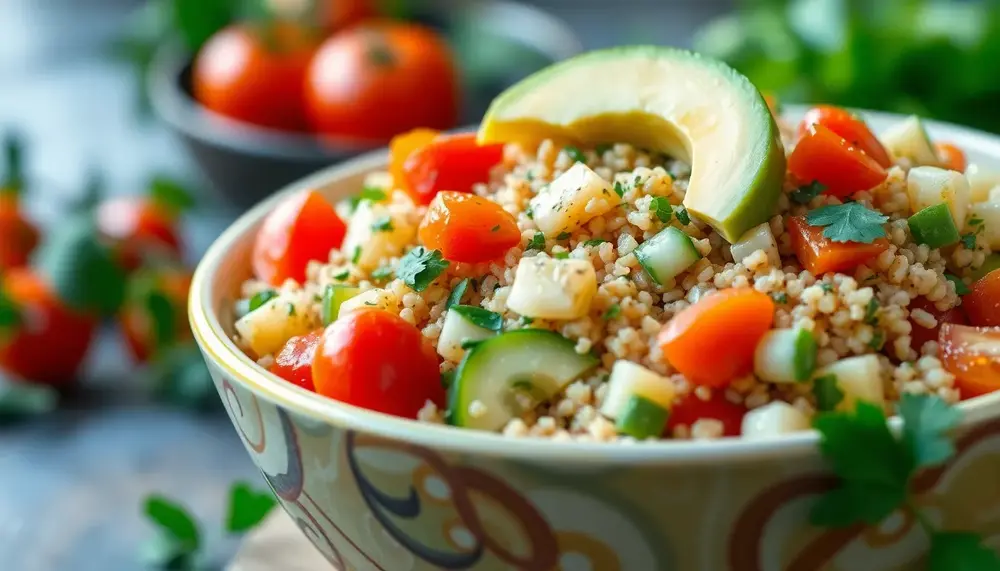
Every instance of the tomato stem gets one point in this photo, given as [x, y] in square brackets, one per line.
[13, 151]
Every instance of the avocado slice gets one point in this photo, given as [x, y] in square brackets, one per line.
[691, 107]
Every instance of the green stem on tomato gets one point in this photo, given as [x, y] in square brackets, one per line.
[13, 180]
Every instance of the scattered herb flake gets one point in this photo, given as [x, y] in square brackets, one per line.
[563, 236]
[529, 212]
[370, 193]
[381, 274]
[612, 312]
[495, 228]
[960, 287]
[448, 378]
[871, 311]
[804, 194]
[455, 297]
[828, 394]
[682, 215]
[561, 255]
[291, 310]
[878, 340]
[383, 224]
[342, 276]
[826, 286]
[969, 241]
[420, 267]
[780, 297]
[480, 317]
[525, 320]
[974, 221]
[262, 297]
[356, 255]
[849, 222]
[529, 176]
[660, 206]
[594, 242]
[603, 148]
[537, 242]
[576, 154]
[619, 189]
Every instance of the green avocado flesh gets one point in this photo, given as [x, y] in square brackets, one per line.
[672, 101]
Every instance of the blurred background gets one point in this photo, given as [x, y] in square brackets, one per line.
[150, 123]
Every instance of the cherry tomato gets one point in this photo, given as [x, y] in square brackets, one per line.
[951, 156]
[50, 341]
[468, 228]
[450, 162]
[303, 228]
[920, 334]
[373, 359]
[139, 228]
[848, 126]
[972, 354]
[18, 236]
[374, 81]
[820, 255]
[150, 324]
[294, 362]
[825, 157]
[255, 76]
[982, 303]
[336, 15]
[691, 408]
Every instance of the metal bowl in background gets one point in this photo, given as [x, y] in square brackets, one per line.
[496, 44]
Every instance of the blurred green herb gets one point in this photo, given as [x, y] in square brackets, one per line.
[20, 399]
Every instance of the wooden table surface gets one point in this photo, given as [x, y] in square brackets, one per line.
[71, 484]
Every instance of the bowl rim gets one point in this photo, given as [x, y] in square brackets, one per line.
[223, 352]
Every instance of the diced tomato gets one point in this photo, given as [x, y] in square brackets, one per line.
[712, 342]
[820, 255]
[468, 228]
[50, 341]
[18, 236]
[691, 408]
[449, 162]
[951, 156]
[373, 359]
[402, 146]
[825, 157]
[982, 303]
[140, 319]
[294, 362]
[920, 334]
[139, 228]
[303, 228]
[849, 127]
[972, 354]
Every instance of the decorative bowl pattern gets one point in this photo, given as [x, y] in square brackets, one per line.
[374, 492]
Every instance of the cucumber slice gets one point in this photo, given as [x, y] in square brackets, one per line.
[667, 254]
[758, 238]
[934, 226]
[459, 328]
[992, 263]
[642, 418]
[629, 379]
[502, 372]
[785, 356]
[333, 297]
[908, 139]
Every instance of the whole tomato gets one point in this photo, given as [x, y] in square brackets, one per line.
[255, 74]
[154, 315]
[376, 80]
[18, 235]
[334, 15]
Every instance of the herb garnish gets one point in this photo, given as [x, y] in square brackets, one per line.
[383, 224]
[960, 287]
[805, 193]
[849, 222]
[262, 297]
[871, 311]
[613, 311]
[576, 154]
[682, 215]
[537, 242]
[420, 267]
[828, 394]
[594, 242]
[969, 241]
[455, 297]
[480, 317]
[563, 236]
[619, 189]
[660, 206]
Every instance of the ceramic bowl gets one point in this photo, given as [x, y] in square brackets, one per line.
[375, 492]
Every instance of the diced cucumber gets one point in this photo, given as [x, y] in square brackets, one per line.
[757, 238]
[785, 356]
[549, 288]
[334, 296]
[859, 378]
[377, 298]
[642, 418]
[981, 181]
[992, 263]
[458, 328]
[532, 364]
[773, 419]
[667, 254]
[908, 139]
[989, 214]
[930, 186]
[630, 379]
[934, 226]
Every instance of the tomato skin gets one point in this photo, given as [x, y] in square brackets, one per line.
[303, 228]
[712, 342]
[376, 80]
[972, 354]
[691, 408]
[18, 236]
[138, 227]
[825, 157]
[52, 343]
[404, 145]
[339, 14]
[294, 362]
[820, 255]
[951, 156]
[238, 75]
[919, 334]
[468, 228]
[450, 162]
[849, 127]
[373, 359]
[136, 322]
[982, 303]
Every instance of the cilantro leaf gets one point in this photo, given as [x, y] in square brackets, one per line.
[603, 148]
[969, 241]
[369, 193]
[660, 206]
[960, 287]
[619, 189]
[382, 273]
[455, 297]
[356, 256]
[871, 311]
[171, 194]
[828, 394]
[561, 255]
[613, 311]
[853, 503]
[537, 242]
[849, 222]
[682, 215]
[804, 194]
[420, 267]
[19, 399]
[878, 340]
[262, 297]
[342, 276]
[563, 236]
[247, 507]
[480, 317]
[927, 419]
[383, 224]
[955, 550]
[594, 242]
[175, 525]
[781, 297]
[576, 154]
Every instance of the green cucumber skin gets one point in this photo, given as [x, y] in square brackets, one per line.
[805, 355]
[934, 226]
[642, 418]
[645, 260]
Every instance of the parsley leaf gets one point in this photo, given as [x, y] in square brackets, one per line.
[420, 266]
[594, 242]
[561, 255]
[525, 320]
[480, 317]
[960, 287]
[849, 222]
[826, 286]
[529, 212]
[383, 224]
[804, 194]
[382, 273]
[262, 297]
[871, 311]
[19, 399]
[927, 419]
[780, 297]
[660, 206]
[563, 236]
[878, 340]
[603, 148]
[247, 507]
[455, 297]
[828, 394]
[356, 255]
[179, 537]
[619, 189]
[342, 276]
[576, 154]
[371, 193]
[537, 242]
[969, 241]
[954, 550]
[682, 216]
[613, 311]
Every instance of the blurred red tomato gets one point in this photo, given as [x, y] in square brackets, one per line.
[18, 235]
[154, 315]
[336, 15]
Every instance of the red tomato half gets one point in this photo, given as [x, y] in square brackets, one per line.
[848, 126]
[972, 354]
[373, 359]
[294, 362]
[982, 303]
[920, 334]
[449, 162]
[825, 157]
[303, 228]
[468, 228]
[691, 408]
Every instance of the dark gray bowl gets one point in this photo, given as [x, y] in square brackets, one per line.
[496, 42]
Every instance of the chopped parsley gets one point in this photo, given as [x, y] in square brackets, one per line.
[537, 242]
[969, 241]
[563, 236]
[370, 193]
[613, 311]
[561, 255]
[594, 242]
[660, 206]
[356, 255]
[849, 222]
[603, 148]
[960, 287]
[262, 297]
[420, 267]
[975, 221]
[382, 274]
[341, 276]
[827, 287]
[576, 154]
[529, 212]
[495, 228]
[455, 297]
[469, 343]
[525, 320]
[383, 224]
[291, 310]
[480, 317]
[529, 176]
[682, 215]
[804, 194]
[828, 394]
[619, 189]
[878, 340]
[780, 297]
[871, 312]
